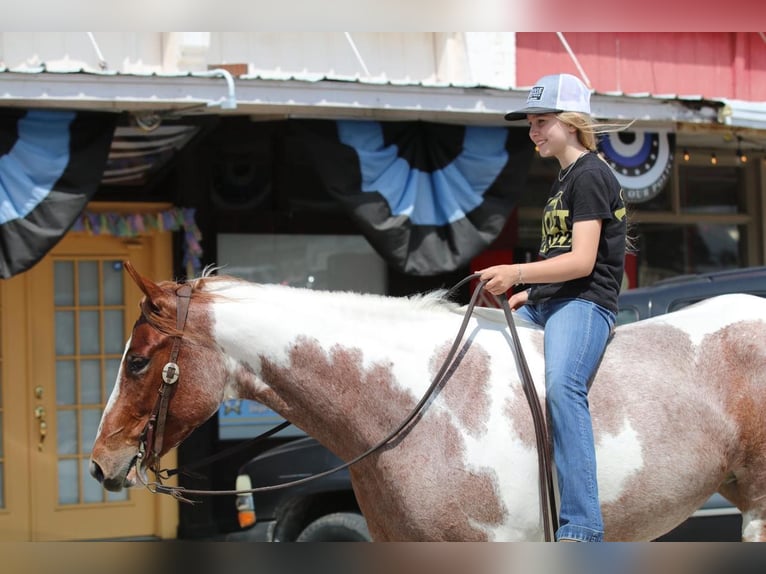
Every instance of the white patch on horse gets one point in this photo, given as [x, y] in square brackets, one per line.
[116, 390]
[328, 325]
[506, 455]
[753, 526]
[619, 458]
[698, 321]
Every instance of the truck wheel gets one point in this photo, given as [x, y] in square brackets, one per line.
[337, 527]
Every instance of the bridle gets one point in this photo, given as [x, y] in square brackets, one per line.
[151, 439]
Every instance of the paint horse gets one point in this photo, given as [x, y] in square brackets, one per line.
[677, 404]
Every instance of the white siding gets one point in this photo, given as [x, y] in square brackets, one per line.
[389, 56]
[457, 58]
[127, 52]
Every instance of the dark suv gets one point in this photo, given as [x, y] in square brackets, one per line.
[678, 292]
[326, 509]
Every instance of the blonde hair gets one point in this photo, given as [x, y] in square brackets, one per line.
[587, 132]
[587, 129]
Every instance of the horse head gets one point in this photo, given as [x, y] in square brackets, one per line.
[139, 425]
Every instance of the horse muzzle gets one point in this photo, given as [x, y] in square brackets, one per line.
[129, 477]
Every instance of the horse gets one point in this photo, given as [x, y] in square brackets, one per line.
[676, 403]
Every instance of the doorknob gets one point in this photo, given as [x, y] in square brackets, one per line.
[42, 426]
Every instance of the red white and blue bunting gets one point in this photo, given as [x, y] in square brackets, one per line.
[642, 161]
[51, 162]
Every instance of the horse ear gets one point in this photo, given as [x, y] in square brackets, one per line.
[149, 288]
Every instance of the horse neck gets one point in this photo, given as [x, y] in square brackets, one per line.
[324, 361]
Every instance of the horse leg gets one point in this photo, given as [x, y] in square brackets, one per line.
[748, 496]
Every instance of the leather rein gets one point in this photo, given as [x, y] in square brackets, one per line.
[151, 439]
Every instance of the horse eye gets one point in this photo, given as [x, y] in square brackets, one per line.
[136, 364]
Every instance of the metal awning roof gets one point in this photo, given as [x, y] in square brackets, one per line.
[316, 96]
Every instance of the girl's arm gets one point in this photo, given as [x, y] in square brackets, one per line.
[579, 262]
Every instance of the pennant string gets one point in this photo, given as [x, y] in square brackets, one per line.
[134, 224]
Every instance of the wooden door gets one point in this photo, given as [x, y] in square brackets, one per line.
[80, 307]
[14, 454]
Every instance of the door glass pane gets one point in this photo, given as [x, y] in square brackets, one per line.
[68, 481]
[65, 388]
[66, 432]
[114, 335]
[92, 491]
[89, 333]
[87, 282]
[63, 282]
[64, 333]
[89, 419]
[113, 276]
[90, 382]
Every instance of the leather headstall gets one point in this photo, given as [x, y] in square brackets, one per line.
[152, 437]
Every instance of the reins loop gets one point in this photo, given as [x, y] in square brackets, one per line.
[154, 430]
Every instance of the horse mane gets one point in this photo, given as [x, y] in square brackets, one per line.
[208, 288]
[163, 316]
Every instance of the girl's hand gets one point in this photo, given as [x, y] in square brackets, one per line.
[500, 278]
[518, 299]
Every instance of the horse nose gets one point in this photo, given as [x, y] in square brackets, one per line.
[96, 472]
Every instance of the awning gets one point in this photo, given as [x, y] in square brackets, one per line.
[310, 96]
[740, 113]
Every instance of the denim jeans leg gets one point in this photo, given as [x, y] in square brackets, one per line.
[576, 333]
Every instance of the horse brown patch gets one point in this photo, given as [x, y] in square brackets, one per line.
[465, 385]
[323, 391]
[420, 504]
[734, 360]
[330, 392]
[673, 410]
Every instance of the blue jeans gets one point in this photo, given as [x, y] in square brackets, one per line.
[576, 333]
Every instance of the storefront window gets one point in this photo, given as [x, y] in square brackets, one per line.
[711, 189]
[666, 250]
[323, 262]
[701, 221]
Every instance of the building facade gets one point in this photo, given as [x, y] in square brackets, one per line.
[220, 155]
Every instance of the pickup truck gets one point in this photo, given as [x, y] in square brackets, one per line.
[326, 509]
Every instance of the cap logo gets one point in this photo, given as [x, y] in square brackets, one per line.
[536, 94]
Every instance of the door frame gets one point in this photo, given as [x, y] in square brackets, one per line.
[23, 364]
[15, 519]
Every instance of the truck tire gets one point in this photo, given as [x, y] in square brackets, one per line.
[336, 527]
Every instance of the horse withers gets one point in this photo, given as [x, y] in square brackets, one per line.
[676, 404]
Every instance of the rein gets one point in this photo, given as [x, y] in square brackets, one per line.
[151, 440]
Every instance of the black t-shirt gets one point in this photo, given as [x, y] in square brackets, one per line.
[589, 191]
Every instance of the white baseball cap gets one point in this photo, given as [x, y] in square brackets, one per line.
[553, 94]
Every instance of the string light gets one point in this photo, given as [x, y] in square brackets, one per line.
[741, 156]
[687, 157]
[713, 159]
